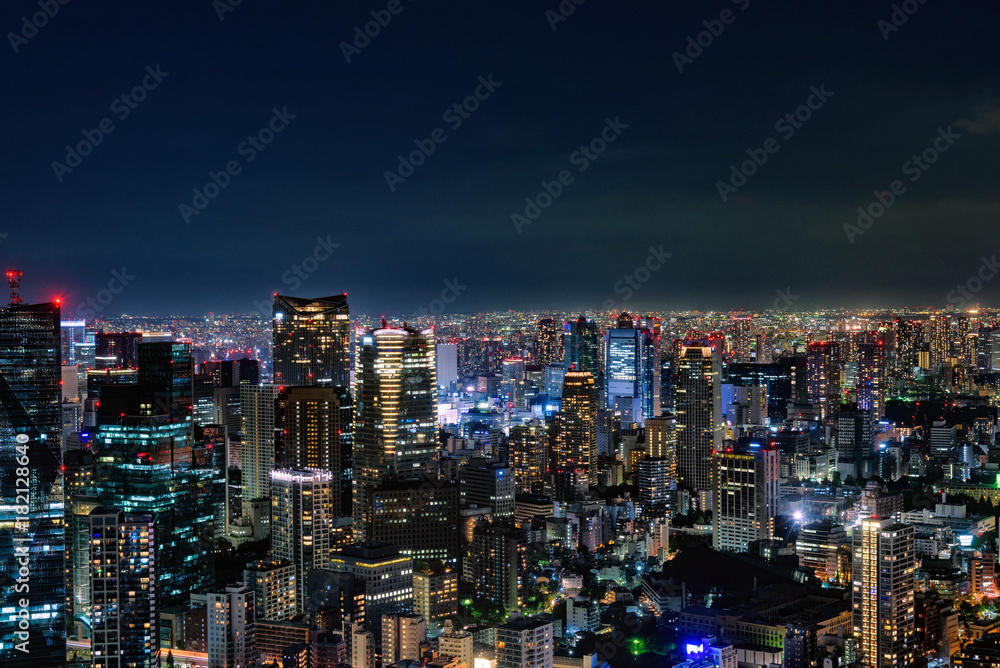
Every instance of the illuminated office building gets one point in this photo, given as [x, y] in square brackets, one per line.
[420, 517]
[498, 564]
[529, 451]
[745, 496]
[870, 379]
[744, 339]
[883, 593]
[317, 428]
[396, 426]
[311, 341]
[258, 410]
[31, 444]
[825, 365]
[576, 443]
[301, 522]
[632, 368]
[548, 343]
[699, 415]
[489, 484]
[908, 336]
[581, 346]
[124, 579]
[661, 441]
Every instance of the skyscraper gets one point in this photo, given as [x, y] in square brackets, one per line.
[489, 484]
[632, 367]
[581, 343]
[30, 455]
[300, 522]
[146, 463]
[824, 364]
[497, 565]
[661, 441]
[311, 341]
[124, 589]
[317, 432]
[258, 408]
[396, 423]
[529, 454]
[420, 517]
[745, 493]
[699, 415]
[870, 379]
[547, 346]
[576, 444]
[883, 567]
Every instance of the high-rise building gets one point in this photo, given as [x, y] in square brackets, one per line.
[825, 365]
[446, 364]
[273, 583]
[125, 610]
[661, 442]
[117, 350]
[908, 338]
[146, 462]
[401, 637]
[883, 574]
[581, 344]
[497, 565]
[300, 522]
[743, 338]
[745, 497]
[311, 341]
[231, 621]
[420, 517]
[529, 455]
[395, 432]
[576, 444]
[525, 643]
[456, 644]
[317, 432]
[386, 577]
[258, 409]
[870, 379]
[632, 368]
[856, 438]
[699, 415]
[818, 545]
[489, 484]
[655, 486]
[31, 531]
[547, 345]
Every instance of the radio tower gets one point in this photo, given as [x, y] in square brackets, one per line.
[14, 279]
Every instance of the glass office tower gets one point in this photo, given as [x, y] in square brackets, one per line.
[32, 537]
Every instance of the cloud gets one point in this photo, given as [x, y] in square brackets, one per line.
[985, 121]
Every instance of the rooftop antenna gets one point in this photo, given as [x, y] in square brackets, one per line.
[14, 279]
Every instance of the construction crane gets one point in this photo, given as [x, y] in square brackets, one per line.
[14, 279]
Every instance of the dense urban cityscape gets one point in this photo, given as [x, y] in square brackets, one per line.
[559, 334]
[324, 489]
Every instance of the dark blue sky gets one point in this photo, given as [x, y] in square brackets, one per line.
[324, 174]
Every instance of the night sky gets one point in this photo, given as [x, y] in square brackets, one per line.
[323, 176]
